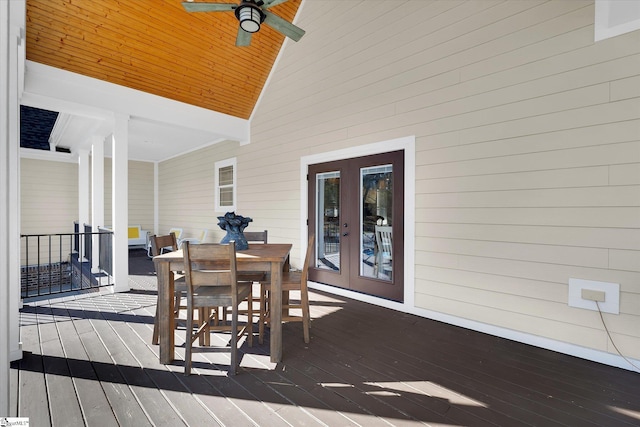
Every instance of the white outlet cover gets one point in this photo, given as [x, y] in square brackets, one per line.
[611, 302]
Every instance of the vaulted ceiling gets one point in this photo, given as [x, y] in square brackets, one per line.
[157, 47]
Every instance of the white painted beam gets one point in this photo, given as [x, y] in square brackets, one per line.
[120, 205]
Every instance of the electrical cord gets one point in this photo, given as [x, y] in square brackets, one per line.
[611, 338]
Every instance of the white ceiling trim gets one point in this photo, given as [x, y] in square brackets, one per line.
[160, 128]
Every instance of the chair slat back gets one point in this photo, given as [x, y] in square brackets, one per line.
[384, 239]
[256, 236]
[177, 232]
[159, 242]
[210, 264]
[307, 260]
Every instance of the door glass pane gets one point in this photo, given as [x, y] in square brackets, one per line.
[376, 190]
[328, 221]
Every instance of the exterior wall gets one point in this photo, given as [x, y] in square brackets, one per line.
[48, 204]
[141, 193]
[186, 192]
[528, 151]
[48, 196]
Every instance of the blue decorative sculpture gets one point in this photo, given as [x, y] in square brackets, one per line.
[234, 225]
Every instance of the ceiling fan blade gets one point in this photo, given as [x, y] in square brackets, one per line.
[243, 38]
[271, 3]
[208, 7]
[283, 26]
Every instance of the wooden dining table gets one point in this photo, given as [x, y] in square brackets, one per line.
[268, 257]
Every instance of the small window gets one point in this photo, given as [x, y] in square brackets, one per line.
[225, 176]
[616, 17]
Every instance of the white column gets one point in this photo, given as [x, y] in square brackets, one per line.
[97, 194]
[12, 18]
[156, 205]
[83, 188]
[120, 209]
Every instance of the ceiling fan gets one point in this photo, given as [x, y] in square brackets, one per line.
[250, 14]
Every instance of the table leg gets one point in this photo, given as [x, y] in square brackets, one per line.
[165, 312]
[276, 312]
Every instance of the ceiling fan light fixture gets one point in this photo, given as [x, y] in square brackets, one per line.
[250, 17]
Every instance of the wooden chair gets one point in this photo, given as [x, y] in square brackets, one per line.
[158, 245]
[211, 276]
[291, 281]
[176, 231]
[384, 243]
[256, 236]
[253, 237]
[259, 237]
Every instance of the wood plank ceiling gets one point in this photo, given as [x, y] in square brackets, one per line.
[157, 47]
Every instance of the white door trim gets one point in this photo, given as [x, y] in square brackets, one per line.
[408, 144]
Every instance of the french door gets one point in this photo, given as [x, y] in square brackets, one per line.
[356, 212]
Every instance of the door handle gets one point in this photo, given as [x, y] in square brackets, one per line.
[345, 234]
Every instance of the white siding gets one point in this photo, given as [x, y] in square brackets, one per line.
[187, 188]
[140, 193]
[48, 205]
[48, 196]
[528, 149]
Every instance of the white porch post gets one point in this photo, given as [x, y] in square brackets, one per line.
[83, 202]
[156, 200]
[12, 28]
[83, 188]
[97, 193]
[120, 210]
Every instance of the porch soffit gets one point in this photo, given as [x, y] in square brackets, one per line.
[155, 46]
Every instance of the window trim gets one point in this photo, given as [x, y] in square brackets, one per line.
[605, 10]
[219, 165]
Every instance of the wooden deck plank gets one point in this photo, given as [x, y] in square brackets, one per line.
[381, 401]
[158, 410]
[123, 401]
[173, 388]
[131, 372]
[32, 394]
[14, 385]
[301, 392]
[504, 398]
[358, 349]
[241, 407]
[65, 409]
[244, 390]
[508, 376]
[566, 390]
[268, 393]
[91, 395]
[458, 407]
[365, 365]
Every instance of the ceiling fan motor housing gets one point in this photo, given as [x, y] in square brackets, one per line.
[250, 16]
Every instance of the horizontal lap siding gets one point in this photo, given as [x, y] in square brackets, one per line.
[187, 189]
[48, 204]
[141, 194]
[140, 190]
[51, 188]
[527, 140]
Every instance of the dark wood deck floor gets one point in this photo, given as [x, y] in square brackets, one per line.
[88, 361]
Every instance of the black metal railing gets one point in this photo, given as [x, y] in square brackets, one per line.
[62, 262]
